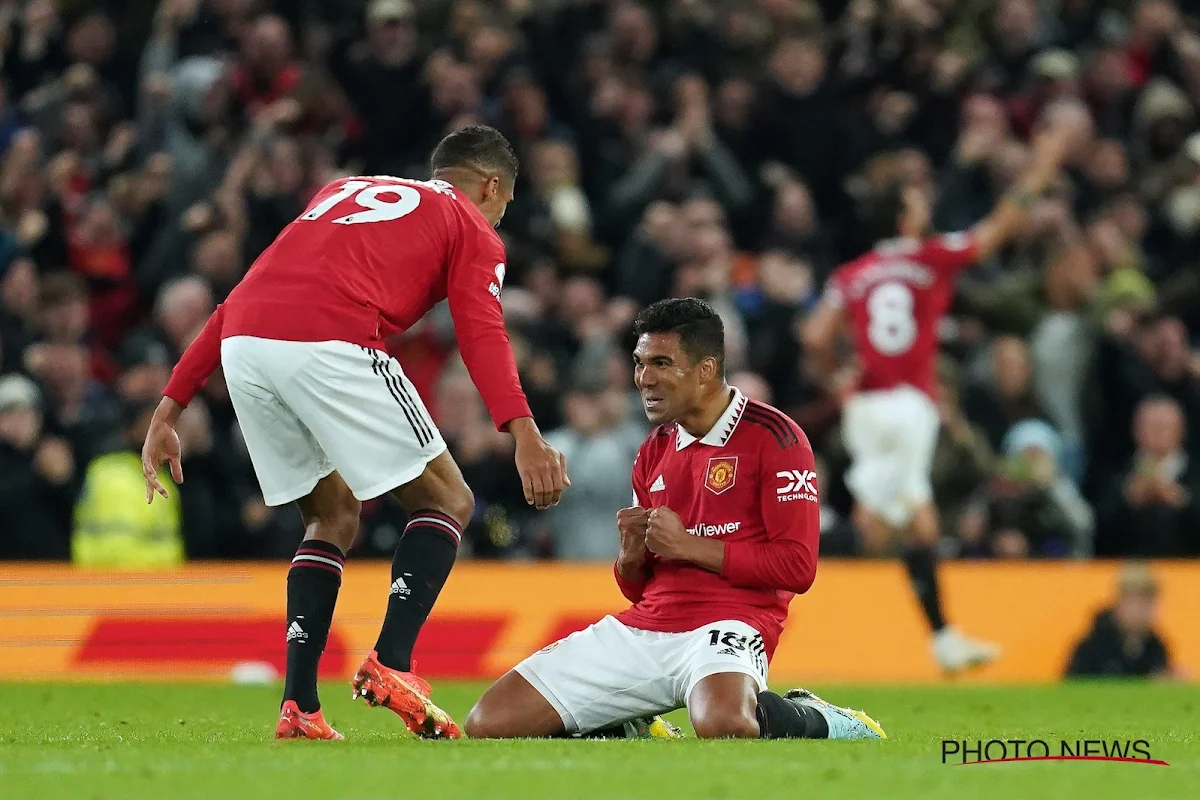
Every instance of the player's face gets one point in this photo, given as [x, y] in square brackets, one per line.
[666, 378]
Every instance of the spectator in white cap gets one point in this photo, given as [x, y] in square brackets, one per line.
[38, 471]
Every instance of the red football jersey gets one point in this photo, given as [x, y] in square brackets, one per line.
[750, 482]
[367, 259]
[894, 297]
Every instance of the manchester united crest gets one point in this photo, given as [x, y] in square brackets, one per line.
[722, 472]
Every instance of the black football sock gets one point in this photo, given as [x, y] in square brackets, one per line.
[921, 564]
[780, 718]
[420, 567]
[312, 590]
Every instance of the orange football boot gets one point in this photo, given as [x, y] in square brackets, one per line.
[295, 724]
[406, 695]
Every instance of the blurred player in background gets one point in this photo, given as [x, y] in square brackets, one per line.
[722, 534]
[330, 419]
[891, 300]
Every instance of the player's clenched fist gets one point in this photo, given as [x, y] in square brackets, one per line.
[665, 534]
[631, 524]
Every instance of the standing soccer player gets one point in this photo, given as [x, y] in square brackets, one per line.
[722, 534]
[330, 419]
[893, 299]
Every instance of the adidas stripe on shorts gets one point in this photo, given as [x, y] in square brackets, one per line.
[308, 408]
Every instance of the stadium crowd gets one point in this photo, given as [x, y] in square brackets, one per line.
[151, 150]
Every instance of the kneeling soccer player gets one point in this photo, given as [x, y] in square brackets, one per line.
[723, 533]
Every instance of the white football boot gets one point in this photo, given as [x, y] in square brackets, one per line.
[955, 652]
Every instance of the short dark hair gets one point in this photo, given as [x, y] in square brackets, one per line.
[701, 332]
[882, 210]
[476, 147]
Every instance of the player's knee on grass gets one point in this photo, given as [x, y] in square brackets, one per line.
[512, 709]
[724, 706]
[729, 725]
[478, 725]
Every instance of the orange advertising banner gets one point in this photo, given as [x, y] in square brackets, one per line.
[858, 624]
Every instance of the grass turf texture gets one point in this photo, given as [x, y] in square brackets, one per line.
[170, 742]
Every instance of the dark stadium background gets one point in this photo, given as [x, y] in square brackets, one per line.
[150, 150]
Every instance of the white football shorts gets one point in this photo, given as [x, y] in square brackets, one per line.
[891, 435]
[308, 408]
[609, 673]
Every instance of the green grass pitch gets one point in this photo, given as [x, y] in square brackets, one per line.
[170, 742]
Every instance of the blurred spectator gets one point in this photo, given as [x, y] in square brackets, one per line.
[382, 77]
[1007, 397]
[1122, 642]
[18, 306]
[483, 453]
[786, 286]
[150, 151]
[114, 526]
[78, 407]
[839, 537]
[1153, 508]
[962, 457]
[752, 385]
[37, 487]
[183, 111]
[1136, 359]
[266, 73]
[1029, 508]
[183, 307]
[599, 454]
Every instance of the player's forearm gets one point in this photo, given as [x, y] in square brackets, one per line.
[632, 575]
[167, 413]
[489, 359]
[706, 553]
[521, 427]
[783, 565]
[198, 362]
[1014, 206]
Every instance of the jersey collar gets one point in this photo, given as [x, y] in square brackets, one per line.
[719, 435]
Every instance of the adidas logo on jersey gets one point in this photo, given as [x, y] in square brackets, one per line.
[294, 631]
[659, 485]
[400, 587]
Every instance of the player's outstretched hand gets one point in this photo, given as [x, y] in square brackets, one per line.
[542, 468]
[162, 447]
[1066, 128]
[665, 533]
